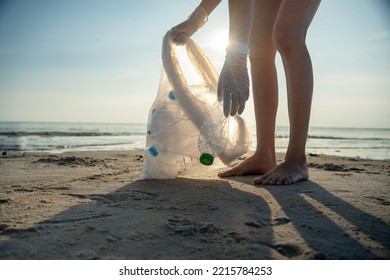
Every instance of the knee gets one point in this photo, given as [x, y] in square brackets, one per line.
[261, 50]
[287, 41]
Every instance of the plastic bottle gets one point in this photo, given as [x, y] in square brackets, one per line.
[213, 136]
[162, 116]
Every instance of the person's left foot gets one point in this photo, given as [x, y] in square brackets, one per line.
[254, 165]
[286, 173]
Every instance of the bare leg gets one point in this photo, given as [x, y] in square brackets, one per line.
[290, 29]
[265, 90]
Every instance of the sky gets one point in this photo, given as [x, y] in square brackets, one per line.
[100, 61]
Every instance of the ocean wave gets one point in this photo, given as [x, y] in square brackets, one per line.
[59, 147]
[349, 148]
[66, 133]
[76, 146]
[134, 133]
[338, 138]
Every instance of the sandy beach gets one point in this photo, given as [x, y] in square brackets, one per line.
[92, 205]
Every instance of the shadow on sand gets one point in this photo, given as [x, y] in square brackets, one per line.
[349, 232]
[197, 219]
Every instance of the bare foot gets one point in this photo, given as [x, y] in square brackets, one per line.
[253, 165]
[286, 173]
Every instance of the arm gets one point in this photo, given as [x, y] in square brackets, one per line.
[195, 21]
[240, 20]
[233, 83]
[209, 5]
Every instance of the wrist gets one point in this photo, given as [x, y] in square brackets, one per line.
[238, 48]
[198, 17]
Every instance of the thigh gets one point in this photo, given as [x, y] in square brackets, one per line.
[264, 15]
[294, 17]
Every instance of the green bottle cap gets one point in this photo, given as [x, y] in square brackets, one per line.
[206, 159]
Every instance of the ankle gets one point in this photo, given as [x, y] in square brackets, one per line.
[265, 155]
[296, 160]
[299, 159]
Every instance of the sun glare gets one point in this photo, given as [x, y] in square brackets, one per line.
[219, 40]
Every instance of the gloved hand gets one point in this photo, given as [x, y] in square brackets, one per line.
[233, 83]
[188, 27]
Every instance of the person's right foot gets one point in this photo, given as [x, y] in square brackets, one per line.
[286, 173]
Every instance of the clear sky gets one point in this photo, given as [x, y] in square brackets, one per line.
[100, 61]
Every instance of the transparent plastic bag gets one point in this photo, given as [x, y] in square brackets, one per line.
[187, 131]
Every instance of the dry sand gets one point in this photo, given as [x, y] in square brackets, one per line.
[91, 205]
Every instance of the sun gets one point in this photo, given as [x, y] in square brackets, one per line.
[219, 40]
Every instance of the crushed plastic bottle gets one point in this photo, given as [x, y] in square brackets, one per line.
[213, 135]
[187, 130]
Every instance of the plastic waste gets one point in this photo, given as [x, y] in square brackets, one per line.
[187, 130]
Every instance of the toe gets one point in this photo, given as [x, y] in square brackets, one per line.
[280, 181]
[258, 180]
[228, 173]
[273, 181]
[288, 181]
[224, 173]
[265, 181]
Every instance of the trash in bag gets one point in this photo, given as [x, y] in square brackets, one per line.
[187, 130]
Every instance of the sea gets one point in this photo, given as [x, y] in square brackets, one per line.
[365, 143]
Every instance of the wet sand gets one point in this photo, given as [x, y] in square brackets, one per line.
[92, 205]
